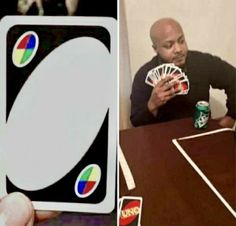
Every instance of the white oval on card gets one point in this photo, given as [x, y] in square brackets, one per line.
[58, 113]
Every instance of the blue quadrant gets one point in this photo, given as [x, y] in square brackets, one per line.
[81, 186]
[31, 42]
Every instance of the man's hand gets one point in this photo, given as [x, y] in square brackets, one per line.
[226, 121]
[17, 210]
[161, 93]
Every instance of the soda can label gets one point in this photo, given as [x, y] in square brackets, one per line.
[201, 114]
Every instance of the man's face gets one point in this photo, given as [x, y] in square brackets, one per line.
[171, 45]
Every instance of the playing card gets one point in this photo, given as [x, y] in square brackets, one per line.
[182, 86]
[151, 79]
[130, 211]
[58, 123]
[175, 70]
[168, 69]
[178, 77]
[161, 70]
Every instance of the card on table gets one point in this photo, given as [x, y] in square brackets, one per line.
[130, 208]
[58, 114]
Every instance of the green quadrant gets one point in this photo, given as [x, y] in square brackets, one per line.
[86, 174]
[26, 55]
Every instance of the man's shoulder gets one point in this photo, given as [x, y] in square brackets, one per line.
[202, 56]
[199, 54]
[143, 70]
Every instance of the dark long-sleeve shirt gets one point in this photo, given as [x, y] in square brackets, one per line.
[202, 70]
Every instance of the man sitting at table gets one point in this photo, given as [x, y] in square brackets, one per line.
[158, 104]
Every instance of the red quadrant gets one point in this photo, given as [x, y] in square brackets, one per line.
[89, 186]
[23, 43]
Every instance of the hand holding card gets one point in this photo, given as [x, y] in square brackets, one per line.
[55, 150]
[162, 93]
[18, 202]
[156, 74]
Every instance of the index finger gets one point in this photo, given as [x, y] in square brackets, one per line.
[45, 215]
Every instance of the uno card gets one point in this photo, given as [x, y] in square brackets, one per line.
[156, 74]
[183, 86]
[151, 79]
[178, 77]
[161, 70]
[175, 70]
[130, 211]
[58, 114]
[167, 68]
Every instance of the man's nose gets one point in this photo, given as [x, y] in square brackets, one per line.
[177, 47]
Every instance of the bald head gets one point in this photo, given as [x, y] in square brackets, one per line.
[162, 27]
[168, 40]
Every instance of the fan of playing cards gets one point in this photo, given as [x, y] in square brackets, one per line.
[156, 74]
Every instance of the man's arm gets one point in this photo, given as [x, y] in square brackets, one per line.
[224, 77]
[140, 114]
[145, 101]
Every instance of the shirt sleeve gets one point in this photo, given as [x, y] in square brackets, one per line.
[140, 94]
[223, 76]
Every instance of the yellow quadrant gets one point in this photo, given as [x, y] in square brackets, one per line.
[17, 55]
[95, 174]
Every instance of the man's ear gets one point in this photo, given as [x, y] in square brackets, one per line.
[154, 46]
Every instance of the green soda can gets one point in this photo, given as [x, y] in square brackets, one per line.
[201, 114]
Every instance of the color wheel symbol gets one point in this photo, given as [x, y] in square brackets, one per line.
[87, 180]
[25, 49]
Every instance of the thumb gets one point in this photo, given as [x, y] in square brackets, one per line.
[16, 210]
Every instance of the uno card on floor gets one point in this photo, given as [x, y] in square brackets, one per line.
[58, 114]
[130, 211]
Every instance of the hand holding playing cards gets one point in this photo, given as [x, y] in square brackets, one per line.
[168, 80]
[17, 210]
[161, 93]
